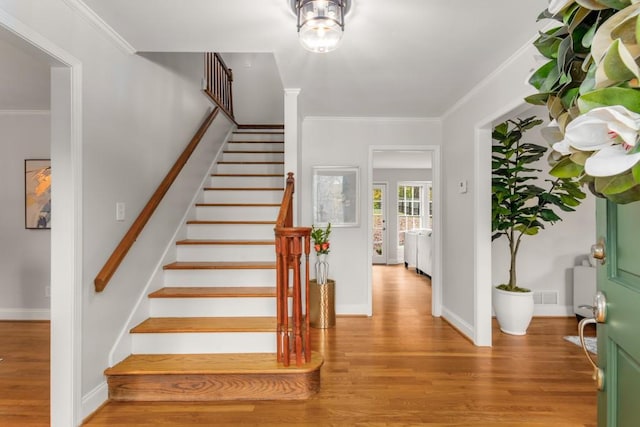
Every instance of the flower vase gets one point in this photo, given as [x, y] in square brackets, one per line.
[322, 269]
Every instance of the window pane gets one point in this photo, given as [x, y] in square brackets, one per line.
[409, 192]
[416, 193]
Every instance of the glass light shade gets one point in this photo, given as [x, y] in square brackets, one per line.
[320, 24]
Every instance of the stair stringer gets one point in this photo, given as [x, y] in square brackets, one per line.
[123, 345]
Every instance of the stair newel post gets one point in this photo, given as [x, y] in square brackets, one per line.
[307, 341]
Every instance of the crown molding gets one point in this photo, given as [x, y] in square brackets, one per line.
[88, 13]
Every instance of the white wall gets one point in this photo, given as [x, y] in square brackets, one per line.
[137, 117]
[545, 261]
[24, 254]
[24, 79]
[346, 142]
[257, 88]
[466, 145]
[392, 177]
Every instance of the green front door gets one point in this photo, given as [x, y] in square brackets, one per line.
[619, 334]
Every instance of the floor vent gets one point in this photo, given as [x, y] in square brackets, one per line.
[545, 297]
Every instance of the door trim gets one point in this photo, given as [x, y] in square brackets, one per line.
[66, 233]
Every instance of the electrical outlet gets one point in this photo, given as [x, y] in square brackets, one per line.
[120, 211]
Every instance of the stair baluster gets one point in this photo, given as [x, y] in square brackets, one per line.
[291, 243]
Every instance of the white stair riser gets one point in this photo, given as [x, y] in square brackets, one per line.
[236, 213]
[250, 168]
[255, 146]
[247, 181]
[207, 342]
[210, 307]
[220, 277]
[230, 231]
[243, 196]
[226, 253]
[253, 157]
[261, 136]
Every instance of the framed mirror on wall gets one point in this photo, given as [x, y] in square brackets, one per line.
[336, 196]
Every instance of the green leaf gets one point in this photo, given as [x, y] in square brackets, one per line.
[615, 4]
[618, 65]
[537, 98]
[616, 184]
[541, 77]
[629, 98]
[566, 168]
[635, 171]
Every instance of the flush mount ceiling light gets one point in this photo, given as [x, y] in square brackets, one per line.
[320, 23]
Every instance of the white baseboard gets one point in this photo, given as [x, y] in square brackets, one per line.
[93, 400]
[352, 310]
[552, 310]
[457, 322]
[25, 314]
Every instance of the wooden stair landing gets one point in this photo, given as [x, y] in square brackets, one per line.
[211, 377]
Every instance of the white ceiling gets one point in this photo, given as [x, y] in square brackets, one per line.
[403, 58]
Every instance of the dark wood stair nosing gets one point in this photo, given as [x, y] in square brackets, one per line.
[249, 163]
[243, 189]
[204, 222]
[223, 265]
[228, 242]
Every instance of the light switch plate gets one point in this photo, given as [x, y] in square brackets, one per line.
[120, 211]
[462, 186]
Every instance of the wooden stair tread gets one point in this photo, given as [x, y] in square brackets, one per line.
[233, 363]
[239, 204]
[165, 325]
[243, 189]
[261, 126]
[251, 152]
[226, 265]
[224, 242]
[257, 133]
[250, 163]
[231, 222]
[249, 175]
[255, 142]
[215, 292]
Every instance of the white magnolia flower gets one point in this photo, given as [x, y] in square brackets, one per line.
[599, 128]
[556, 6]
[610, 161]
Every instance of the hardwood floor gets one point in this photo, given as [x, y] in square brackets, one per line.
[24, 374]
[400, 367]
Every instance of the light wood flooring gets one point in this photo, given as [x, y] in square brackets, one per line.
[399, 368]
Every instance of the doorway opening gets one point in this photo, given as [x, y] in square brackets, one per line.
[66, 242]
[389, 166]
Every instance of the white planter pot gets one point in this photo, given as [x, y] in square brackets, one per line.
[514, 310]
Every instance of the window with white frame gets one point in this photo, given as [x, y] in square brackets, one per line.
[414, 207]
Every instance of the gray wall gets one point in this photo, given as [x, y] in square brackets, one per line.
[24, 254]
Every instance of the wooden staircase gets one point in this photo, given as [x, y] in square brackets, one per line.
[212, 330]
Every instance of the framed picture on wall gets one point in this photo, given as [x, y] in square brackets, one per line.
[336, 196]
[37, 193]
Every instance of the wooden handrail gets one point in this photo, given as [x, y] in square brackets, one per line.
[112, 264]
[291, 244]
[219, 83]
